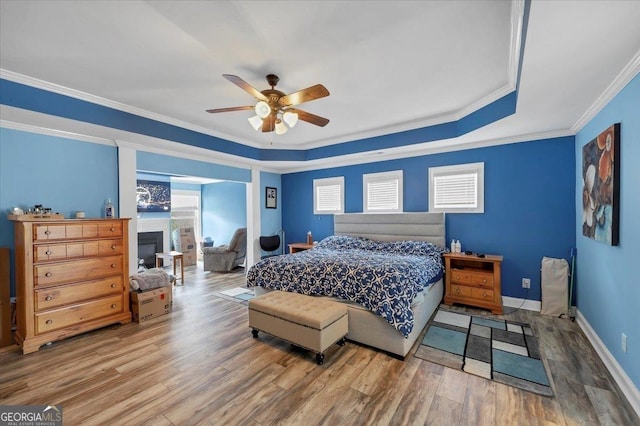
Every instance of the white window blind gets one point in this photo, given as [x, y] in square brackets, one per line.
[458, 188]
[328, 195]
[382, 192]
[456, 191]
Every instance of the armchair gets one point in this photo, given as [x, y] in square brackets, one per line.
[226, 257]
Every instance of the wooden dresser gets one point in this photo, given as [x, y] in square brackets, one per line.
[71, 277]
[472, 280]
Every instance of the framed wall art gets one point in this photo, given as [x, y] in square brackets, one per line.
[601, 187]
[271, 197]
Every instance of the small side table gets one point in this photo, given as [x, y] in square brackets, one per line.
[296, 247]
[173, 256]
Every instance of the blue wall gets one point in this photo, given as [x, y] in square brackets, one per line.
[529, 205]
[151, 162]
[224, 209]
[609, 297]
[64, 174]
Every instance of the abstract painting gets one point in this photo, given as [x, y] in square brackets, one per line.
[601, 187]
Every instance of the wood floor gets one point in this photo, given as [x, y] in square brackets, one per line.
[200, 365]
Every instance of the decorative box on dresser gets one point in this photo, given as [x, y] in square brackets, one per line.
[71, 277]
[473, 280]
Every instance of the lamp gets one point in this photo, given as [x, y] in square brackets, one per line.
[262, 109]
[281, 129]
[291, 118]
[256, 122]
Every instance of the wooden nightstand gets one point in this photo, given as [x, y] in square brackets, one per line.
[473, 280]
[295, 247]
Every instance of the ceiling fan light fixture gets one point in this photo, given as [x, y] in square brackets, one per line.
[256, 122]
[281, 129]
[262, 109]
[291, 118]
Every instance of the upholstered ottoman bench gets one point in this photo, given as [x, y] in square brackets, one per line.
[305, 321]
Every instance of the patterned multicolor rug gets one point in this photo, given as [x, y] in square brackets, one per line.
[499, 350]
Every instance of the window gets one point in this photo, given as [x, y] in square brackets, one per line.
[382, 192]
[457, 189]
[328, 195]
[185, 210]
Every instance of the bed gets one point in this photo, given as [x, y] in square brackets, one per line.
[386, 268]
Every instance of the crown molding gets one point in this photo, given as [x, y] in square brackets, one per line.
[622, 79]
[77, 94]
[517, 25]
[53, 132]
[140, 143]
[427, 148]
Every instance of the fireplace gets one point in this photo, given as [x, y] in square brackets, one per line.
[150, 243]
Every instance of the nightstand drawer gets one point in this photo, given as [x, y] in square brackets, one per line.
[460, 276]
[482, 294]
[482, 280]
[460, 290]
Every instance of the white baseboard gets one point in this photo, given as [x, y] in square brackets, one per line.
[623, 381]
[529, 305]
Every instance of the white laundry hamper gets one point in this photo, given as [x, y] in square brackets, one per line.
[555, 286]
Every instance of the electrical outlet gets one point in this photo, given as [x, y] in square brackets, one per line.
[526, 283]
[623, 342]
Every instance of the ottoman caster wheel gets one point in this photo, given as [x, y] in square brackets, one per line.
[320, 359]
[342, 341]
[254, 332]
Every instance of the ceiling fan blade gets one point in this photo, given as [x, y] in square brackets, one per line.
[245, 86]
[239, 108]
[310, 118]
[305, 95]
[269, 123]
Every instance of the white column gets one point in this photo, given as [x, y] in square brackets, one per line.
[127, 199]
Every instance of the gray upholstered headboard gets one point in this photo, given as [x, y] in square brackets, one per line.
[392, 226]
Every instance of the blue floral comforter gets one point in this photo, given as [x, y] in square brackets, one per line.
[384, 277]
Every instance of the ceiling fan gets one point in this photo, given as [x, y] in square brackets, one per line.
[274, 108]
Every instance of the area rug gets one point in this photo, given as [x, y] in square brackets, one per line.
[496, 349]
[237, 294]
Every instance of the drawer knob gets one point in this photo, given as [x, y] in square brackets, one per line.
[484, 294]
[113, 247]
[113, 286]
[457, 277]
[113, 306]
[457, 290]
[48, 274]
[47, 232]
[48, 252]
[112, 229]
[48, 298]
[49, 322]
[113, 265]
[484, 280]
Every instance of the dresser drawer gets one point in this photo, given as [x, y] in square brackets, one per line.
[52, 297]
[63, 251]
[78, 270]
[460, 291]
[107, 247]
[482, 294]
[110, 229]
[460, 276]
[482, 280]
[49, 232]
[64, 317]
